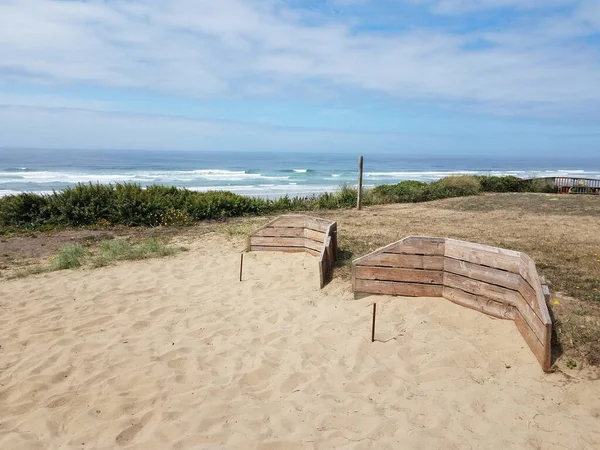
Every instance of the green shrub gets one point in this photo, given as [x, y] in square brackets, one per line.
[502, 184]
[83, 204]
[132, 205]
[454, 186]
[223, 204]
[403, 192]
[24, 210]
[135, 206]
[542, 185]
[69, 257]
[347, 196]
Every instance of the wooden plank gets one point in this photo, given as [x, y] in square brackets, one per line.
[478, 303]
[484, 255]
[383, 249]
[267, 225]
[260, 248]
[532, 277]
[334, 240]
[546, 292]
[415, 245]
[314, 235]
[277, 241]
[396, 274]
[279, 232]
[326, 261]
[322, 271]
[291, 221]
[404, 261]
[396, 288]
[533, 301]
[314, 223]
[312, 252]
[317, 246]
[529, 272]
[541, 348]
[329, 252]
[498, 294]
[490, 275]
[481, 288]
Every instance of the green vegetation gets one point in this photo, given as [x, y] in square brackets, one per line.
[131, 205]
[456, 186]
[69, 257]
[121, 250]
[107, 253]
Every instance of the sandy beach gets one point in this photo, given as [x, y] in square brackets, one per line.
[176, 353]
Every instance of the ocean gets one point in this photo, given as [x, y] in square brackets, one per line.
[260, 174]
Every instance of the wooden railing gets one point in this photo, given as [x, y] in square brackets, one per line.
[502, 283]
[299, 233]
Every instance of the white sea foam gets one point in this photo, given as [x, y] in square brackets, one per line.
[133, 177]
[14, 181]
[5, 192]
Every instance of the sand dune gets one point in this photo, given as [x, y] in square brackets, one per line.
[176, 353]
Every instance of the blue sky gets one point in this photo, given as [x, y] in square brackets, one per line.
[415, 76]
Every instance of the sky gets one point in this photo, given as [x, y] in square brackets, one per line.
[415, 76]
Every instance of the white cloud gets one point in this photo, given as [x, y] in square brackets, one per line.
[265, 48]
[462, 6]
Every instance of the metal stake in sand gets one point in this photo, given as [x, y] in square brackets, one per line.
[360, 183]
[241, 265]
[373, 326]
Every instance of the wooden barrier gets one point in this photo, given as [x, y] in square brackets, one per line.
[502, 283]
[570, 185]
[297, 233]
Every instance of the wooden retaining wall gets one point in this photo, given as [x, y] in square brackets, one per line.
[502, 283]
[299, 233]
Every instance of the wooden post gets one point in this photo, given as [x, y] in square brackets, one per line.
[373, 325]
[360, 183]
[241, 265]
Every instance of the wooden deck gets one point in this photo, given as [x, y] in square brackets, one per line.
[567, 185]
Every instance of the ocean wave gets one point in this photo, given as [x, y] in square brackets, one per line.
[16, 169]
[214, 172]
[133, 177]
[436, 175]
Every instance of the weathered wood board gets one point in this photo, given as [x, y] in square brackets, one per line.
[498, 282]
[280, 232]
[299, 233]
[405, 261]
[394, 288]
[399, 274]
[479, 303]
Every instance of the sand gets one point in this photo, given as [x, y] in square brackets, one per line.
[176, 353]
